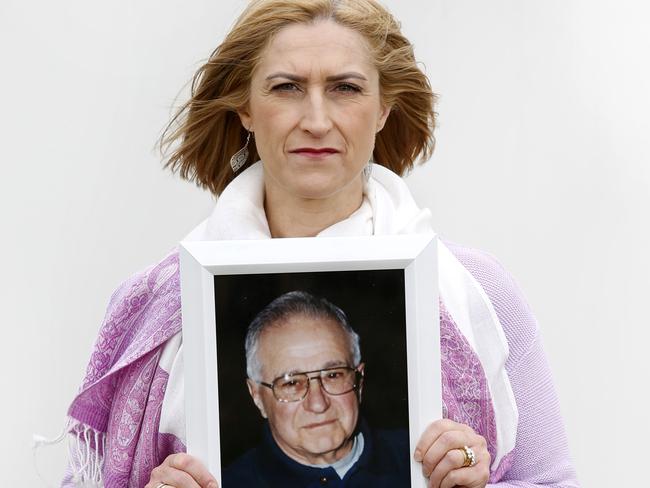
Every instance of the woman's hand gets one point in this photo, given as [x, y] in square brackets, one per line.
[181, 471]
[440, 452]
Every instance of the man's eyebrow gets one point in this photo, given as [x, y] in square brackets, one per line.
[290, 373]
[329, 364]
[302, 79]
[334, 364]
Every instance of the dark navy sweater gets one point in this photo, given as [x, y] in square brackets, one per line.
[384, 463]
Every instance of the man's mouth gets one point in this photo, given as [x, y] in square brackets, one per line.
[319, 424]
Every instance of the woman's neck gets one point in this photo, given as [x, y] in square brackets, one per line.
[291, 216]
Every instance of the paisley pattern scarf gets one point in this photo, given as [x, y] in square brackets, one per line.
[129, 415]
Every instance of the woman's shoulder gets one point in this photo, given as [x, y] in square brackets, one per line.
[157, 279]
[142, 313]
[140, 299]
[484, 266]
[505, 294]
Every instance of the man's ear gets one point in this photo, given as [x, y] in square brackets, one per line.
[254, 391]
[360, 387]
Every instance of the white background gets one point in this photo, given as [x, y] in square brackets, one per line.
[542, 159]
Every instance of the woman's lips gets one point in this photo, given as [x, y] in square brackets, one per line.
[312, 152]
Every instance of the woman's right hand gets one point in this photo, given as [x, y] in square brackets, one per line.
[181, 471]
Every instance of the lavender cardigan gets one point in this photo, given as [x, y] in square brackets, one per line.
[122, 393]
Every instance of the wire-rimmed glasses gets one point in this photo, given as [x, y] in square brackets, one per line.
[294, 387]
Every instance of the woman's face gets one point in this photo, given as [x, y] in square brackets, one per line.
[315, 108]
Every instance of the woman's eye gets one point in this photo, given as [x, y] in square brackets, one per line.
[285, 87]
[347, 88]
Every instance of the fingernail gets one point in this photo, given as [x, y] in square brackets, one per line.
[213, 484]
[417, 455]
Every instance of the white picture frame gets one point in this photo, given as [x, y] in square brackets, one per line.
[202, 261]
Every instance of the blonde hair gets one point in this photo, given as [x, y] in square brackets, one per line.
[206, 131]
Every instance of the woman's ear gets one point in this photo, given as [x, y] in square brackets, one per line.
[254, 391]
[383, 116]
[246, 119]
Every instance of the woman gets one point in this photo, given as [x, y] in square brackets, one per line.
[317, 90]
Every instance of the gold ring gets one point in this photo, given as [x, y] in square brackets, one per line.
[469, 456]
[161, 485]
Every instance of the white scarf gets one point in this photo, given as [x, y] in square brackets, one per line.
[387, 208]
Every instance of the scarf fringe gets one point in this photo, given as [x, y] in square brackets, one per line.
[86, 448]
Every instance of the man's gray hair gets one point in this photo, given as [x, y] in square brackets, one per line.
[286, 306]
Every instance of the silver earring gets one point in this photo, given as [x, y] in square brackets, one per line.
[240, 157]
[367, 170]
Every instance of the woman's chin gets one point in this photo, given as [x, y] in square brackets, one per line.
[317, 187]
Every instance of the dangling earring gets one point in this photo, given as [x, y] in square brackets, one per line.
[367, 170]
[240, 157]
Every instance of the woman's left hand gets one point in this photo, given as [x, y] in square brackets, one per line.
[440, 450]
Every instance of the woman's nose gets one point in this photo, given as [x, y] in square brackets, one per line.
[316, 399]
[316, 117]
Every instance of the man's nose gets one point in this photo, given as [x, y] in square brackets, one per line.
[316, 399]
[316, 117]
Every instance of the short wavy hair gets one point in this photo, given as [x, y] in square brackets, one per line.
[289, 305]
[206, 131]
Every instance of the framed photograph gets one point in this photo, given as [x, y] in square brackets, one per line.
[295, 347]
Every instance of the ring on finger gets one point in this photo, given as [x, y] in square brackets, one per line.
[469, 456]
[162, 485]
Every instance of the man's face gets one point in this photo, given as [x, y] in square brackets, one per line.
[319, 428]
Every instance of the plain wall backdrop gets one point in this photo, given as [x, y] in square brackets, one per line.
[542, 159]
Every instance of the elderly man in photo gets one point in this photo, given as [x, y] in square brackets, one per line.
[305, 376]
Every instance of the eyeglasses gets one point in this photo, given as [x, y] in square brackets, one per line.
[293, 387]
